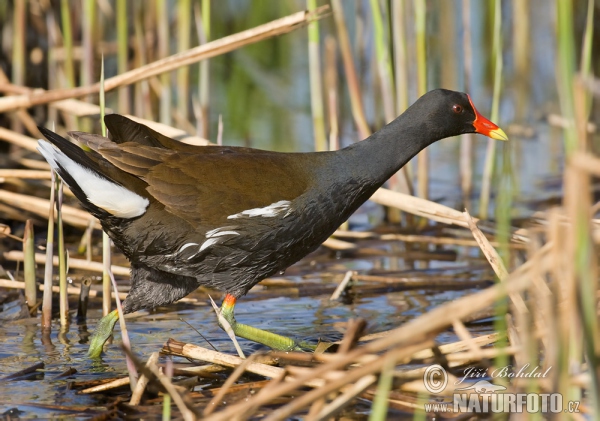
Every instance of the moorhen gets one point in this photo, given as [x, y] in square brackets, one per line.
[227, 217]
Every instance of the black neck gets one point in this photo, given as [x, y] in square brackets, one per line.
[382, 154]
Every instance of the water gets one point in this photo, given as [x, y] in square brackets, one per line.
[309, 317]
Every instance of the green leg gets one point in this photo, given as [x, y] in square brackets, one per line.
[270, 339]
[103, 331]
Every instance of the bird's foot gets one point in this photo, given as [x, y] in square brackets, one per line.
[270, 339]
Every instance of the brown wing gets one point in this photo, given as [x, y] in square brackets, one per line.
[204, 189]
[207, 189]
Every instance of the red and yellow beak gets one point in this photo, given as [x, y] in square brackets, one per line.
[486, 127]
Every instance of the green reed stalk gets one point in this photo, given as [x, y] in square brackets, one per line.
[47, 296]
[143, 104]
[400, 46]
[88, 28]
[29, 264]
[522, 55]
[586, 56]
[166, 414]
[184, 19]
[108, 281]
[503, 217]
[401, 66]
[379, 410]
[586, 52]
[388, 91]
[316, 83]
[450, 61]
[204, 86]
[106, 255]
[588, 262]
[577, 201]
[421, 37]
[490, 157]
[122, 51]
[65, 14]
[18, 51]
[52, 63]
[466, 143]
[331, 78]
[566, 70]
[504, 201]
[353, 85]
[163, 51]
[384, 62]
[18, 43]
[62, 259]
[586, 256]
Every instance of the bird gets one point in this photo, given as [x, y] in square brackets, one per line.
[228, 217]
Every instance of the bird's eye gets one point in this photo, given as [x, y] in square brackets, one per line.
[457, 109]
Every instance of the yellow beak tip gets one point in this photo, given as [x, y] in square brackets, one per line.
[498, 134]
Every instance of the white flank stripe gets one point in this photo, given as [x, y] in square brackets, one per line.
[270, 211]
[186, 246]
[211, 234]
[227, 229]
[208, 243]
[113, 198]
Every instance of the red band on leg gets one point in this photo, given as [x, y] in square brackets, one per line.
[229, 302]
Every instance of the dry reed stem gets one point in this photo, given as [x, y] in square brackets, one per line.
[586, 162]
[350, 377]
[458, 346]
[335, 244]
[28, 174]
[404, 338]
[82, 109]
[355, 329]
[223, 390]
[208, 50]
[356, 235]
[441, 240]
[457, 360]
[174, 347]
[227, 327]
[106, 386]
[18, 139]
[463, 333]
[563, 123]
[7, 283]
[315, 408]
[410, 281]
[124, 381]
[495, 261]
[358, 112]
[428, 209]
[342, 286]
[32, 163]
[17, 256]
[142, 382]
[72, 216]
[187, 414]
[350, 393]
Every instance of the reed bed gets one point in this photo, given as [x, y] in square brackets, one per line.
[543, 301]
